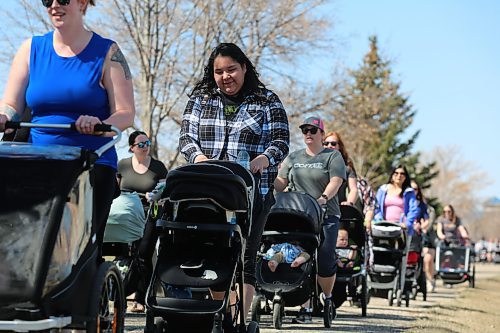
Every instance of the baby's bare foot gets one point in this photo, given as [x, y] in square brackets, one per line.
[272, 265]
[298, 261]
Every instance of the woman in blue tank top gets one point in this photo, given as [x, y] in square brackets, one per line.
[70, 75]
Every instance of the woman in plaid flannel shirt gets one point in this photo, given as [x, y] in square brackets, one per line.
[229, 110]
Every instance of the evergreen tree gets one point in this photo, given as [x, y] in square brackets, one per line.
[374, 116]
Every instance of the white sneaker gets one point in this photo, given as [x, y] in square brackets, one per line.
[433, 286]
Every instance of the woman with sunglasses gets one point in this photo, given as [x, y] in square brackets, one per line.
[450, 228]
[319, 172]
[396, 201]
[139, 174]
[73, 75]
[348, 192]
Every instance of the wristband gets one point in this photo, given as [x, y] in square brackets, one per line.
[324, 196]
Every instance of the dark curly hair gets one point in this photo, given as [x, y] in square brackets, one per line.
[207, 83]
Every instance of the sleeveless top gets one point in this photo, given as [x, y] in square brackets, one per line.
[61, 89]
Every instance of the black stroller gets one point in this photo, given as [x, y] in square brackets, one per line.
[353, 280]
[388, 273]
[416, 281]
[206, 214]
[295, 217]
[50, 276]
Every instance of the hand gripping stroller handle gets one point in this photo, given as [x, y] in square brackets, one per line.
[71, 126]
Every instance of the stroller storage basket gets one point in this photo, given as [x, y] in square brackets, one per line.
[301, 210]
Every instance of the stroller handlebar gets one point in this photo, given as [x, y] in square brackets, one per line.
[71, 126]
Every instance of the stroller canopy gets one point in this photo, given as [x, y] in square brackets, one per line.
[208, 181]
[352, 220]
[295, 204]
[28, 151]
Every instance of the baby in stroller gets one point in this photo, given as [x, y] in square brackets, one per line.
[293, 227]
[346, 255]
[288, 253]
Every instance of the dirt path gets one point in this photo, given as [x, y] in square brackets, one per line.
[474, 310]
[455, 310]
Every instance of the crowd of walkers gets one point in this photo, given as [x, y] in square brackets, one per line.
[229, 110]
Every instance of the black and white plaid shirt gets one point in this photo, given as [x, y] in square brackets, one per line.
[260, 126]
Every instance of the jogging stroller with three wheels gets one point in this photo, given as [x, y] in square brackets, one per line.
[50, 273]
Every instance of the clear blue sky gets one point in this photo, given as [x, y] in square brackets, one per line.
[446, 54]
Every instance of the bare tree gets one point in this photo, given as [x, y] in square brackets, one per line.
[168, 41]
[458, 183]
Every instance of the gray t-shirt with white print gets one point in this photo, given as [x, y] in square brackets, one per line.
[311, 174]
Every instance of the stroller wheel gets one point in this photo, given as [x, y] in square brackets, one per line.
[399, 297]
[107, 301]
[472, 278]
[414, 292]
[253, 327]
[390, 297]
[160, 325]
[364, 296]
[329, 313]
[256, 308]
[278, 311]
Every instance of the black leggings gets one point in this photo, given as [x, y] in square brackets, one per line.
[103, 180]
[145, 256]
[262, 206]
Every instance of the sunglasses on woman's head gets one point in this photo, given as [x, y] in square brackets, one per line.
[48, 3]
[143, 144]
[312, 130]
[330, 143]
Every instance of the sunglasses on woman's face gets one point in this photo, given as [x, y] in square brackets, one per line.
[330, 143]
[312, 130]
[143, 144]
[48, 3]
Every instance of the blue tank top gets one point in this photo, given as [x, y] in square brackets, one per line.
[61, 89]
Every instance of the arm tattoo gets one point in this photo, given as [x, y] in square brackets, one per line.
[120, 58]
[10, 112]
